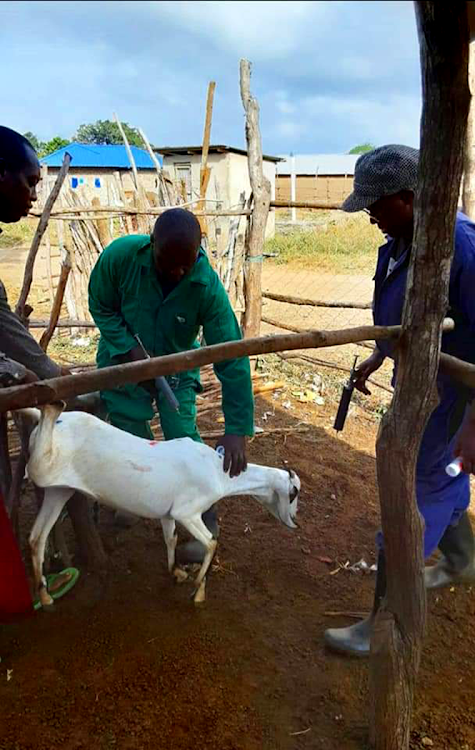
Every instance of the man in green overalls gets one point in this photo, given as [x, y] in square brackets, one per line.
[163, 289]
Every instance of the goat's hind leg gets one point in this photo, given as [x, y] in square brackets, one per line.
[170, 537]
[55, 499]
[198, 529]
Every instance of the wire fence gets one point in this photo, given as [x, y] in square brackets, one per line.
[344, 301]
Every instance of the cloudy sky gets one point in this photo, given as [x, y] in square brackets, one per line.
[328, 75]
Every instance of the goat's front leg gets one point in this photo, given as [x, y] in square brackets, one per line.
[170, 536]
[197, 528]
[55, 499]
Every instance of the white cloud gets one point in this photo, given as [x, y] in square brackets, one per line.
[261, 30]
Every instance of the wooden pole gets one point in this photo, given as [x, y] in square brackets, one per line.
[293, 190]
[153, 211]
[163, 190]
[315, 303]
[317, 205]
[398, 634]
[102, 224]
[468, 194]
[58, 301]
[142, 202]
[40, 230]
[261, 190]
[129, 151]
[49, 271]
[46, 391]
[205, 172]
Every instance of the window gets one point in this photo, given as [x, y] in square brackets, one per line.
[183, 177]
[74, 182]
[97, 182]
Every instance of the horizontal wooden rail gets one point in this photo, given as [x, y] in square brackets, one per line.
[316, 303]
[46, 391]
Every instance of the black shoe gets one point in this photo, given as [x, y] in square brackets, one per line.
[193, 552]
[458, 562]
[355, 640]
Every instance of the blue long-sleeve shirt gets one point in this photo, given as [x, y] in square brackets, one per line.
[390, 291]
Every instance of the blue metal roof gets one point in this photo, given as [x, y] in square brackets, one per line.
[105, 157]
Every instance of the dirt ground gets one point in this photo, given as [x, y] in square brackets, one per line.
[127, 662]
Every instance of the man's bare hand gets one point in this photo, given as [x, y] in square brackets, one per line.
[234, 454]
[366, 369]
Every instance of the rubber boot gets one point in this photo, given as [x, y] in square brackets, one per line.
[458, 562]
[356, 639]
[193, 552]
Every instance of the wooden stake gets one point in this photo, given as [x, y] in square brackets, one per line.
[261, 190]
[129, 151]
[40, 230]
[205, 172]
[398, 634]
[58, 302]
[163, 194]
[142, 202]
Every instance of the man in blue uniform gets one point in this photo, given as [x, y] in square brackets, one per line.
[384, 185]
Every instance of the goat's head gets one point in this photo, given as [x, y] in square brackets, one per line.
[284, 500]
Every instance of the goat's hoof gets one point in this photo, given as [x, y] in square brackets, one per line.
[180, 575]
[199, 596]
[45, 599]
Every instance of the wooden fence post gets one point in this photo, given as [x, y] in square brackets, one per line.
[261, 191]
[40, 230]
[468, 195]
[397, 641]
[205, 171]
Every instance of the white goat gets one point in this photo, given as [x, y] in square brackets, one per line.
[177, 480]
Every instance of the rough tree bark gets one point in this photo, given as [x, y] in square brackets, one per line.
[468, 195]
[397, 641]
[261, 191]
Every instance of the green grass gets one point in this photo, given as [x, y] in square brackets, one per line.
[20, 233]
[346, 247]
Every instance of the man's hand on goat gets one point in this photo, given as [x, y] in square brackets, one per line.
[234, 453]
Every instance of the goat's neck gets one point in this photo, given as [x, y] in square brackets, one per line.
[256, 480]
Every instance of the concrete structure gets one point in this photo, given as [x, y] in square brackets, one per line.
[322, 178]
[93, 167]
[229, 175]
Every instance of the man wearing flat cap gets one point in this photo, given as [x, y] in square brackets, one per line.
[384, 185]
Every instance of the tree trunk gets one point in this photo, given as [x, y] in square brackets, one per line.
[397, 641]
[468, 197]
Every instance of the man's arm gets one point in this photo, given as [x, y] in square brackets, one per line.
[104, 302]
[220, 325]
[19, 345]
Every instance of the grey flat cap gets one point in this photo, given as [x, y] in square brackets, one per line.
[384, 171]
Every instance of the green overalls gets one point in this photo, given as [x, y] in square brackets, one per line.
[125, 298]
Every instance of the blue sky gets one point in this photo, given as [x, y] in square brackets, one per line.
[328, 75]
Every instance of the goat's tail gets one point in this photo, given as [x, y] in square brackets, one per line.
[45, 414]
